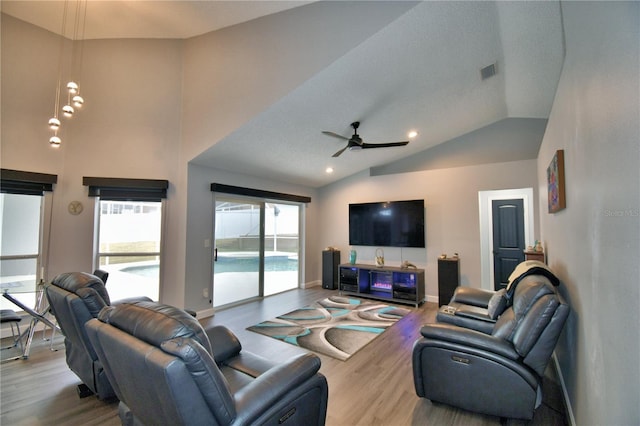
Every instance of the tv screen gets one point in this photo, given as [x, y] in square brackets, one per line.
[387, 224]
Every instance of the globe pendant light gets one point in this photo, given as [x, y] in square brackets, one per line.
[55, 141]
[54, 123]
[74, 99]
[72, 87]
[68, 111]
[78, 101]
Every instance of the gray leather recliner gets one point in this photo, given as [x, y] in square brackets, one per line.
[499, 373]
[479, 309]
[470, 307]
[166, 369]
[74, 298]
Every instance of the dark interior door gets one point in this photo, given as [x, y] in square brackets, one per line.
[508, 239]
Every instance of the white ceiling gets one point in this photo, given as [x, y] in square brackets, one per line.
[421, 71]
[144, 18]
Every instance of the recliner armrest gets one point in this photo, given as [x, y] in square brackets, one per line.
[468, 337]
[472, 296]
[131, 300]
[475, 313]
[271, 386]
[224, 344]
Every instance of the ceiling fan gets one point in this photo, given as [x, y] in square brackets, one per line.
[355, 141]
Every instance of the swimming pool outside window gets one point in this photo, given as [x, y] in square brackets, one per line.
[129, 247]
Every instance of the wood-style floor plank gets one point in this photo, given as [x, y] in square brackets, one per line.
[373, 387]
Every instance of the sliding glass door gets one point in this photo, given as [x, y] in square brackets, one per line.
[256, 249]
[281, 248]
[237, 251]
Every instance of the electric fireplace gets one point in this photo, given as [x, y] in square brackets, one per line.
[381, 281]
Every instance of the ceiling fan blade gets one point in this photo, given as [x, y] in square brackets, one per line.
[383, 145]
[337, 154]
[335, 135]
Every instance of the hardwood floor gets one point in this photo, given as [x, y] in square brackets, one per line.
[374, 387]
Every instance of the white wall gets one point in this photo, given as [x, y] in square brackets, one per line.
[128, 127]
[452, 215]
[200, 227]
[594, 244]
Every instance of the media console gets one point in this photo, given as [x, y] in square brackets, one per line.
[400, 285]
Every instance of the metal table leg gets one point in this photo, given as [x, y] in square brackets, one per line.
[36, 317]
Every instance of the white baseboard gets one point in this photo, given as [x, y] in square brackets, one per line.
[205, 313]
[565, 395]
[434, 299]
[316, 283]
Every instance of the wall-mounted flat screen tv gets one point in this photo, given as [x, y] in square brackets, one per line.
[387, 224]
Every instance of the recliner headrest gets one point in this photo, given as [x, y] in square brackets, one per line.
[88, 287]
[526, 268]
[154, 322]
[530, 289]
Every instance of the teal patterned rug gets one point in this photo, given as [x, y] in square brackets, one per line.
[336, 326]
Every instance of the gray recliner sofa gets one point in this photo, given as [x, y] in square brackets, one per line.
[166, 369]
[499, 373]
[75, 298]
[479, 309]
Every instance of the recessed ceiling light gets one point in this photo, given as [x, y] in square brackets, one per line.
[412, 134]
[329, 170]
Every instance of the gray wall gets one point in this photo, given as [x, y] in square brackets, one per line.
[451, 213]
[594, 244]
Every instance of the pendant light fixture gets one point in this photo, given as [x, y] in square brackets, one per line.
[74, 99]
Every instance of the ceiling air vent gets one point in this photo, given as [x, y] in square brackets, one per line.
[488, 71]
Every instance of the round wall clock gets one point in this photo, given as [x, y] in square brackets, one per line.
[75, 207]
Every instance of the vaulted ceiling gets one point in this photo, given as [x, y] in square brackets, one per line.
[418, 70]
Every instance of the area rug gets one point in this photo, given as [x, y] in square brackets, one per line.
[336, 326]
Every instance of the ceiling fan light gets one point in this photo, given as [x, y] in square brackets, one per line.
[412, 134]
[68, 110]
[355, 148]
[78, 101]
[72, 87]
[55, 141]
[54, 123]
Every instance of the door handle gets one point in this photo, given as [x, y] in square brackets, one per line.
[215, 254]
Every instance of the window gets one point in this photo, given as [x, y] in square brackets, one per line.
[129, 243]
[20, 247]
[23, 238]
[129, 234]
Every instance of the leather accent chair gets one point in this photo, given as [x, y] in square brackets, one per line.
[500, 373]
[74, 298]
[166, 369]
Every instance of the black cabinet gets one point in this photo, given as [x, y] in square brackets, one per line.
[330, 263]
[390, 283]
[448, 279]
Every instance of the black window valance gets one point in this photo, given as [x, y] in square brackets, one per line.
[258, 193]
[119, 189]
[26, 183]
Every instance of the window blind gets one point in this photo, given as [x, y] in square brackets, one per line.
[26, 183]
[121, 189]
